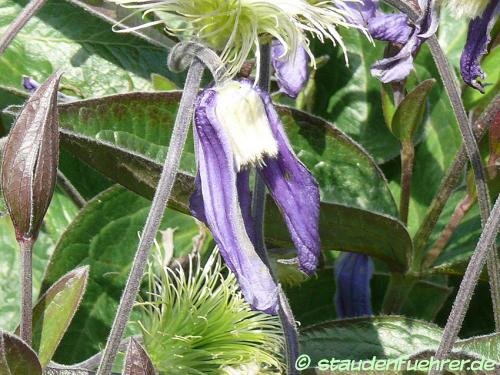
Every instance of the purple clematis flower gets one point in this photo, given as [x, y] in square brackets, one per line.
[31, 85]
[478, 38]
[237, 127]
[292, 71]
[395, 28]
[352, 276]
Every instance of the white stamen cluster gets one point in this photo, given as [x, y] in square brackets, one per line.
[234, 27]
[241, 112]
[466, 8]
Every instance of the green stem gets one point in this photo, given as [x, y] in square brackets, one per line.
[21, 20]
[461, 210]
[468, 284]
[162, 194]
[448, 184]
[26, 253]
[407, 159]
[398, 290]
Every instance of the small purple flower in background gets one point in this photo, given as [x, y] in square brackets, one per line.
[478, 38]
[31, 85]
[292, 70]
[352, 277]
[237, 127]
[395, 28]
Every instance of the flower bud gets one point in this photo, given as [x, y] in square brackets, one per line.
[30, 158]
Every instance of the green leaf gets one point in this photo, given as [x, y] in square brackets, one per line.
[388, 106]
[409, 114]
[105, 236]
[16, 357]
[385, 337]
[54, 311]
[123, 137]
[61, 212]
[363, 338]
[96, 60]
[349, 96]
[161, 83]
[435, 152]
[486, 346]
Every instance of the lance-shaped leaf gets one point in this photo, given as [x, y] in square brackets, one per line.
[410, 113]
[16, 357]
[55, 310]
[137, 361]
[29, 165]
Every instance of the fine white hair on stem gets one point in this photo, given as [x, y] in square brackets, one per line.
[235, 27]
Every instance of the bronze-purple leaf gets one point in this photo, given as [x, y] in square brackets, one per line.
[137, 361]
[30, 158]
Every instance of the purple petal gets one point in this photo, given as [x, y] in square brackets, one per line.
[392, 28]
[359, 13]
[295, 191]
[352, 277]
[31, 85]
[292, 72]
[399, 67]
[476, 46]
[218, 185]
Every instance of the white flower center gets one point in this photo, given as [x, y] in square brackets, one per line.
[243, 116]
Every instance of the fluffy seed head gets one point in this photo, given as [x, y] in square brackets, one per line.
[196, 321]
[235, 27]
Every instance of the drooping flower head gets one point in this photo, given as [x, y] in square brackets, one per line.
[234, 28]
[353, 273]
[237, 127]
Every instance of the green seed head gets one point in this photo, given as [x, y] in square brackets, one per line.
[234, 28]
[197, 322]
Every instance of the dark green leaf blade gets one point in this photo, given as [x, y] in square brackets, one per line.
[114, 135]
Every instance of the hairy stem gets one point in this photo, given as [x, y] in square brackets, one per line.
[70, 190]
[407, 158]
[464, 295]
[450, 181]
[258, 209]
[159, 204]
[471, 147]
[461, 210]
[398, 290]
[21, 20]
[26, 250]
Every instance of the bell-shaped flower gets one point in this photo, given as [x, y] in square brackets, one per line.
[353, 273]
[237, 127]
[478, 38]
[291, 70]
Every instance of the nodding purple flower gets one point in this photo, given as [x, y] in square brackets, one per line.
[292, 70]
[395, 28]
[31, 85]
[478, 38]
[353, 273]
[237, 127]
